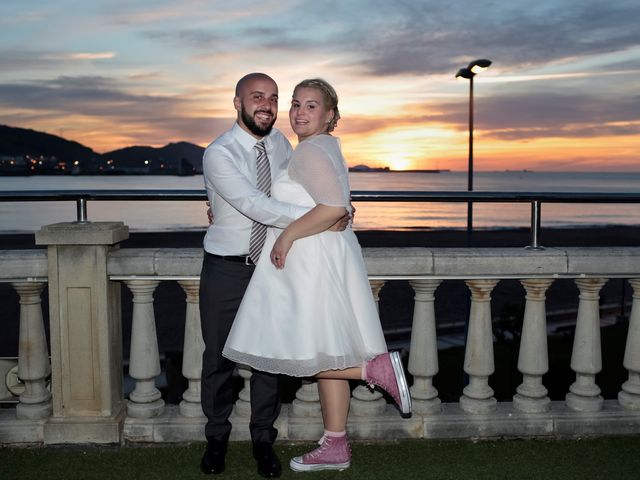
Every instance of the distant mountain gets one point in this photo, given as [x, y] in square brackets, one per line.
[171, 152]
[29, 152]
[21, 141]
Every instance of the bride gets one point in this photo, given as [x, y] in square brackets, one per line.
[309, 310]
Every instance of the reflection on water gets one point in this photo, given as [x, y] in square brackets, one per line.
[189, 215]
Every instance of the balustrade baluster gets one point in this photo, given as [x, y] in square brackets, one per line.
[364, 401]
[307, 401]
[533, 361]
[193, 349]
[586, 358]
[479, 364]
[144, 360]
[629, 396]
[33, 354]
[423, 353]
[243, 404]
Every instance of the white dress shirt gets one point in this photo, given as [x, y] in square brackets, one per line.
[229, 167]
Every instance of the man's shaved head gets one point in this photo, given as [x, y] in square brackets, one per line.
[247, 78]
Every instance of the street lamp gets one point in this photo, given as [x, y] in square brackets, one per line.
[469, 72]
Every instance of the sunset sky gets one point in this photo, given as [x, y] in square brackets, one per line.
[562, 94]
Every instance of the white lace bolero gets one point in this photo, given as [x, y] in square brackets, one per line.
[318, 165]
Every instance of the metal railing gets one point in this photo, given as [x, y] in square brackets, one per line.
[536, 199]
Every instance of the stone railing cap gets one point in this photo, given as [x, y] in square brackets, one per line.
[93, 233]
[23, 264]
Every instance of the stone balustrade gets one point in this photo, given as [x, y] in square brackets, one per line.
[84, 271]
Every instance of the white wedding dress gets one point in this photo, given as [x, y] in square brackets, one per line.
[318, 313]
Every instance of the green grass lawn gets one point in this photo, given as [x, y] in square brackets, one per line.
[601, 458]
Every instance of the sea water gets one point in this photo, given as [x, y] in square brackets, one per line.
[191, 215]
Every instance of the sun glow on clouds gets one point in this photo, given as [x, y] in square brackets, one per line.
[81, 56]
[553, 154]
[402, 148]
[92, 56]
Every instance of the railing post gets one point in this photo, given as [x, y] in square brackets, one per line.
[365, 402]
[86, 333]
[586, 357]
[81, 210]
[144, 359]
[629, 396]
[190, 405]
[533, 361]
[423, 353]
[479, 364]
[536, 207]
[33, 354]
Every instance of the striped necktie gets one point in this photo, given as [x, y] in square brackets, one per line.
[258, 230]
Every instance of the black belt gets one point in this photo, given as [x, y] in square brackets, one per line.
[234, 258]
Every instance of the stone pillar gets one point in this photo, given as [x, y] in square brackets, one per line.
[243, 404]
[423, 353]
[629, 396]
[193, 349]
[364, 401]
[533, 361]
[479, 364]
[86, 333]
[33, 354]
[144, 359]
[586, 357]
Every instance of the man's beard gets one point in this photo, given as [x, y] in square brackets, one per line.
[253, 126]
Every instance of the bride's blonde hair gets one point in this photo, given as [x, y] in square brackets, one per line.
[328, 94]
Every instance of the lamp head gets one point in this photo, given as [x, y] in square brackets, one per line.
[479, 65]
[465, 73]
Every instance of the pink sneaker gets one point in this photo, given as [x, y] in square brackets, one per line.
[334, 453]
[386, 371]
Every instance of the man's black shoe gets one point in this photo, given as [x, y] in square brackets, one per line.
[267, 460]
[213, 458]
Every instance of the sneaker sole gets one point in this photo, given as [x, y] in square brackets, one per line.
[403, 388]
[314, 467]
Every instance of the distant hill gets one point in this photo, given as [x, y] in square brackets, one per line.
[367, 168]
[171, 152]
[21, 141]
[29, 152]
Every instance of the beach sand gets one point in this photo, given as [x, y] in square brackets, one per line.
[396, 305]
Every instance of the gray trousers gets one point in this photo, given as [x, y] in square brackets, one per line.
[222, 286]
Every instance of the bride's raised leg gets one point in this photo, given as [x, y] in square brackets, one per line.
[384, 371]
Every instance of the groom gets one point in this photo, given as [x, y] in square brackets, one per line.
[230, 176]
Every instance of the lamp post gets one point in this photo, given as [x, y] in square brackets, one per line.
[469, 72]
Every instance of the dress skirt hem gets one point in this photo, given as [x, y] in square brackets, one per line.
[295, 368]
